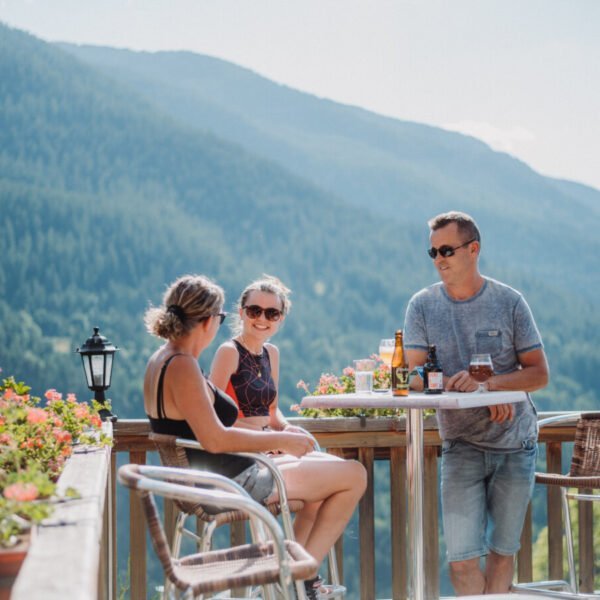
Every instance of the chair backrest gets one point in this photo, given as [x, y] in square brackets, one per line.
[586, 451]
[172, 455]
[130, 476]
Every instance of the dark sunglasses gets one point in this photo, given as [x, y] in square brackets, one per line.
[222, 316]
[254, 311]
[447, 251]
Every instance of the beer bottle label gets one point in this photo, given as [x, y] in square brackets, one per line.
[401, 378]
[435, 380]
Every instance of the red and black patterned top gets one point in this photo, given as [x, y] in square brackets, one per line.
[252, 385]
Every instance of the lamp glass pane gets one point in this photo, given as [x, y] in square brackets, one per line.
[86, 367]
[98, 369]
[108, 368]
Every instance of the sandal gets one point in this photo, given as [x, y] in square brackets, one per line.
[317, 589]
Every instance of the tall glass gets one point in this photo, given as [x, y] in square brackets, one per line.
[481, 369]
[386, 351]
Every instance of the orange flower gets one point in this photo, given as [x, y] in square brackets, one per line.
[62, 437]
[23, 492]
[37, 415]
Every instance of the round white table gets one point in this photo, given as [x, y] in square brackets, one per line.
[414, 403]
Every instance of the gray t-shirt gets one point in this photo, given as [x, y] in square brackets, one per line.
[497, 321]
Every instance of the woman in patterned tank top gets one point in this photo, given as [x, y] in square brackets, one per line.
[247, 367]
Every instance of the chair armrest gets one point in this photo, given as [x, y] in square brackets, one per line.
[564, 418]
[264, 460]
[153, 480]
[311, 436]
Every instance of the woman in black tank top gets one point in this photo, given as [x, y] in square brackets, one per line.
[179, 400]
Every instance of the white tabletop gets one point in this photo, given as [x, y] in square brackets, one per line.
[413, 400]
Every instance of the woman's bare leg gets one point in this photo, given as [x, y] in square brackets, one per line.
[336, 485]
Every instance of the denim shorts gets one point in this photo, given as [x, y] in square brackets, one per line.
[484, 498]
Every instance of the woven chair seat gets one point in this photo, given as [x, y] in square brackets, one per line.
[247, 565]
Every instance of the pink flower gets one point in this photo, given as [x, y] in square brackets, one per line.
[37, 415]
[71, 398]
[52, 395]
[23, 492]
[96, 421]
[302, 385]
[9, 394]
[5, 439]
[81, 411]
[348, 372]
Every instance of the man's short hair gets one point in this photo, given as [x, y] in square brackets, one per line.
[467, 228]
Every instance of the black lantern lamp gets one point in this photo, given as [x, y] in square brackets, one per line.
[97, 357]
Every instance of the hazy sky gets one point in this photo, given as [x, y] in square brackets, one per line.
[523, 75]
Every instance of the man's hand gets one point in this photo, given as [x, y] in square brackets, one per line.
[462, 382]
[501, 412]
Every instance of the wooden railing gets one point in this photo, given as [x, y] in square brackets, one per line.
[69, 555]
[369, 440]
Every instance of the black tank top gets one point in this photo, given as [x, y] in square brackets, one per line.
[224, 406]
[257, 482]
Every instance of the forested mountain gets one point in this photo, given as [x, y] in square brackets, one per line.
[115, 179]
[404, 170]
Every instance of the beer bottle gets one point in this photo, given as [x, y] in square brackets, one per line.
[399, 368]
[433, 378]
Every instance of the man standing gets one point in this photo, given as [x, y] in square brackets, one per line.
[488, 453]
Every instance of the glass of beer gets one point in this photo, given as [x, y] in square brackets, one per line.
[481, 369]
[386, 351]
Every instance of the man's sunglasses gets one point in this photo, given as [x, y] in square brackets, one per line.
[447, 251]
[254, 311]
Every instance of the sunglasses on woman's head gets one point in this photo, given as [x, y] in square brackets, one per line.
[222, 316]
[254, 311]
[447, 251]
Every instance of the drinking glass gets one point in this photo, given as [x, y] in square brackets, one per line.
[363, 374]
[481, 369]
[386, 351]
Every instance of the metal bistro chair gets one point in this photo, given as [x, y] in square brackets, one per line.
[172, 453]
[584, 474]
[269, 559]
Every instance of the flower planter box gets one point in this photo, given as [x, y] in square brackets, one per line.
[63, 560]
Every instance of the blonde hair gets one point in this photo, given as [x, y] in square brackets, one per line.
[268, 284]
[187, 301]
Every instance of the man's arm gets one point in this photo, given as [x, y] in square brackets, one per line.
[533, 376]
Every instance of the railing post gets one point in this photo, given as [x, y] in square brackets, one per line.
[137, 537]
[555, 533]
[339, 544]
[398, 518]
[367, 528]
[586, 545]
[108, 546]
[431, 523]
